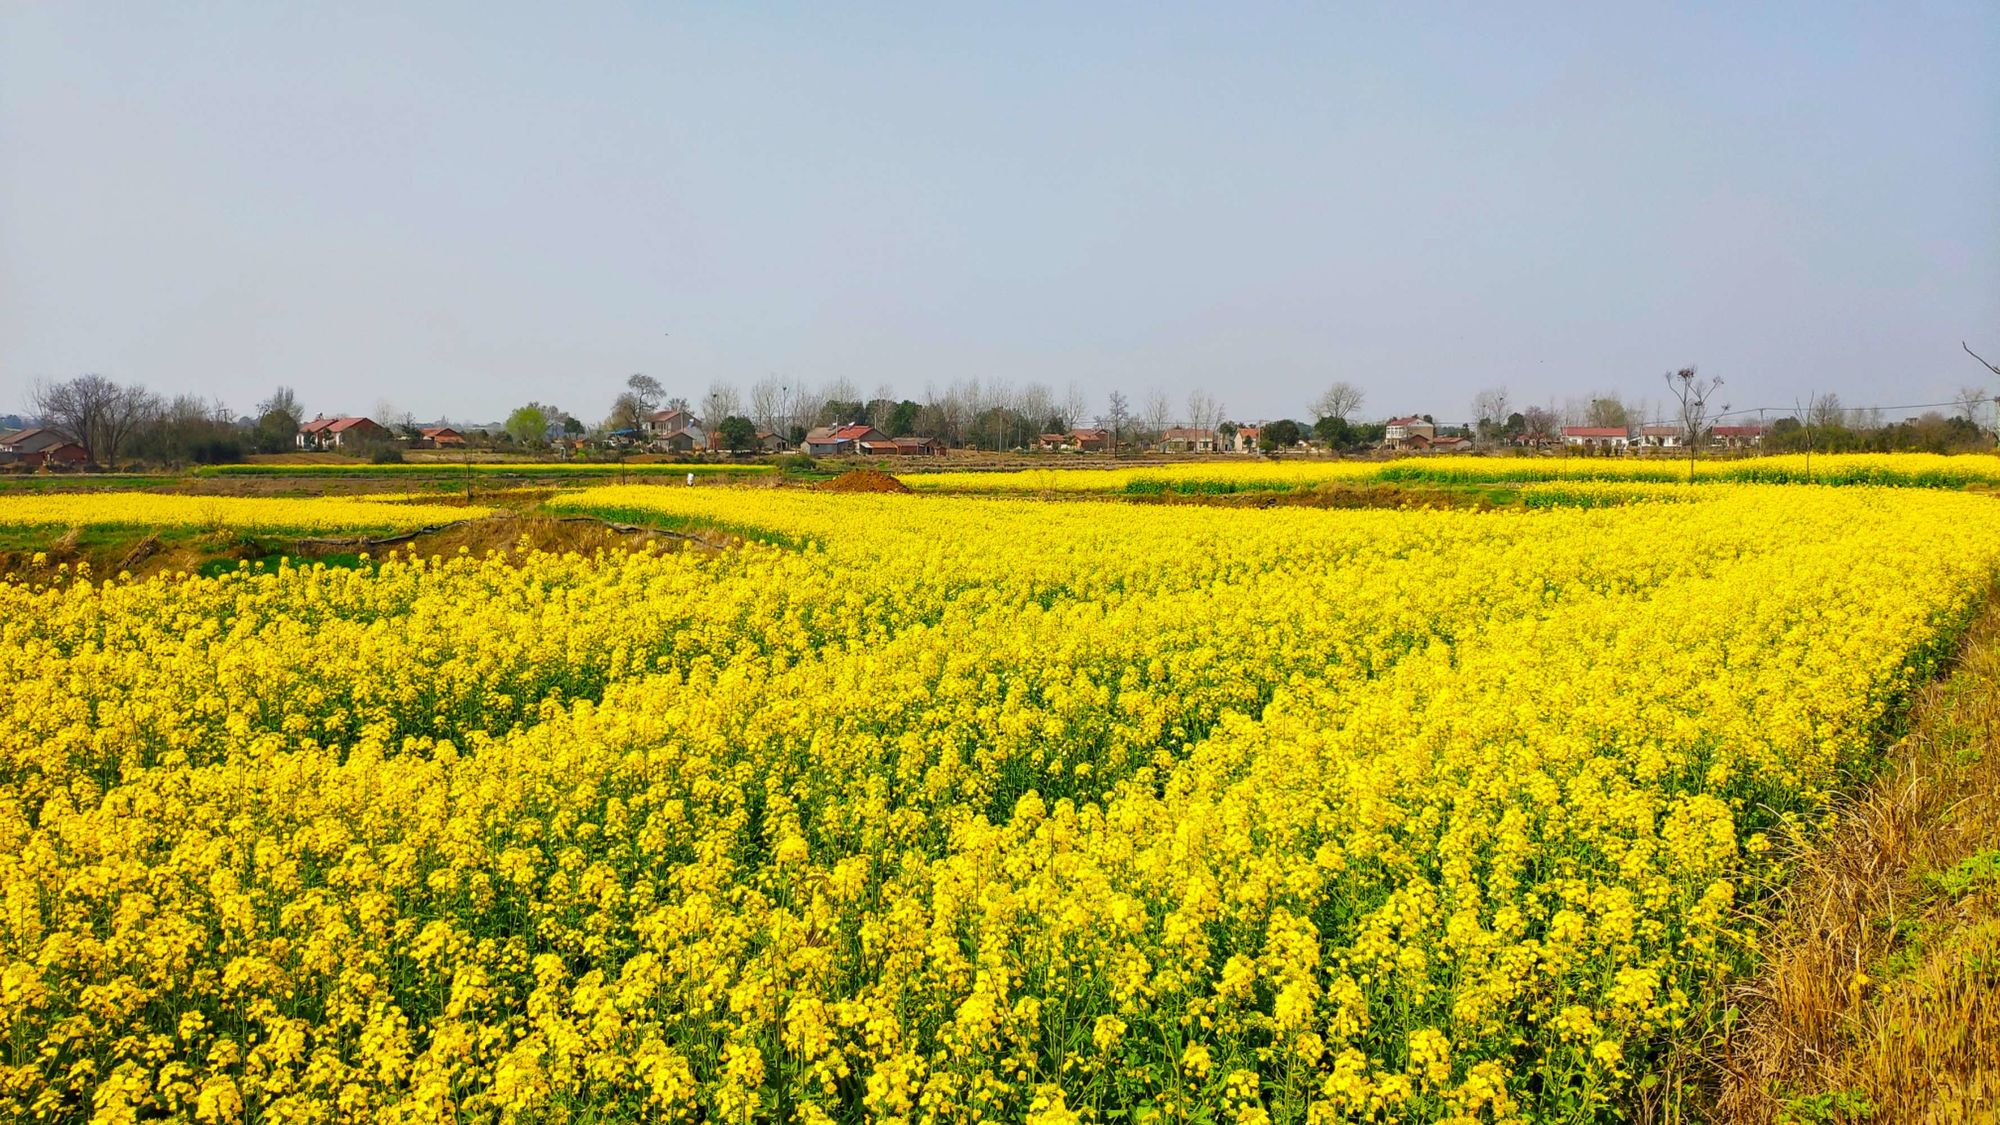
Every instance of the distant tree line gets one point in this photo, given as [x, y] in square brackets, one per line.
[118, 423]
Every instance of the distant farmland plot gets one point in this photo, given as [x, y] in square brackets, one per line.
[1909, 470]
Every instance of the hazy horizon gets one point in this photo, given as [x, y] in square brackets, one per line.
[463, 208]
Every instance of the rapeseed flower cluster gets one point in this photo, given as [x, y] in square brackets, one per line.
[1911, 470]
[236, 513]
[445, 466]
[939, 809]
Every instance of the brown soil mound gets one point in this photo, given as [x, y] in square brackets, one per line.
[864, 480]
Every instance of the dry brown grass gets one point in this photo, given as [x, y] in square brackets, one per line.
[514, 534]
[1879, 994]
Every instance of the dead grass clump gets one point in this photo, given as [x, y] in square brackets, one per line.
[1879, 998]
[863, 480]
[533, 533]
[145, 549]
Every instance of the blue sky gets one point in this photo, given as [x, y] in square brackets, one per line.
[458, 208]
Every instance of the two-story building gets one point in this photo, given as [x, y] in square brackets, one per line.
[1408, 433]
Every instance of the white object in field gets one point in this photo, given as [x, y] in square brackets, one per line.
[690, 480]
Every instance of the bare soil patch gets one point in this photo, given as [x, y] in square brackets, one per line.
[863, 480]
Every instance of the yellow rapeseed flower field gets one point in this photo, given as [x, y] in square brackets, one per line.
[919, 808]
[244, 513]
[1079, 475]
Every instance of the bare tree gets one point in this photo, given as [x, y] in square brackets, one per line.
[1338, 401]
[1827, 413]
[1539, 424]
[1205, 412]
[95, 413]
[1811, 413]
[1037, 406]
[1117, 418]
[882, 406]
[285, 404]
[1159, 412]
[807, 405]
[1489, 411]
[721, 402]
[1972, 403]
[646, 391]
[1693, 393]
[1073, 406]
[842, 393]
[1982, 359]
[767, 405]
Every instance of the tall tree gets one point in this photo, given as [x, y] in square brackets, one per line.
[721, 401]
[1607, 410]
[278, 420]
[528, 425]
[1205, 411]
[628, 411]
[767, 405]
[1117, 418]
[1159, 413]
[1489, 412]
[1073, 407]
[646, 390]
[1539, 424]
[283, 402]
[95, 413]
[1692, 393]
[1338, 401]
[1281, 434]
[1972, 402]
[736, 433]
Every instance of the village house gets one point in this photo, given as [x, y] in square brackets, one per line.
[685, 440]
[1660, 437]
[1607, 438]
[919, 447]
[39, 447]
[1246, 437]
[674, 431]
[660, 423]
[837, 441]
[1405, 433]
[1187, 439]
[1450, 443]
[1053, 443]
[1090, 441]
[323, 433]
[440, 437]
[769, 442]
[1736, 437]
